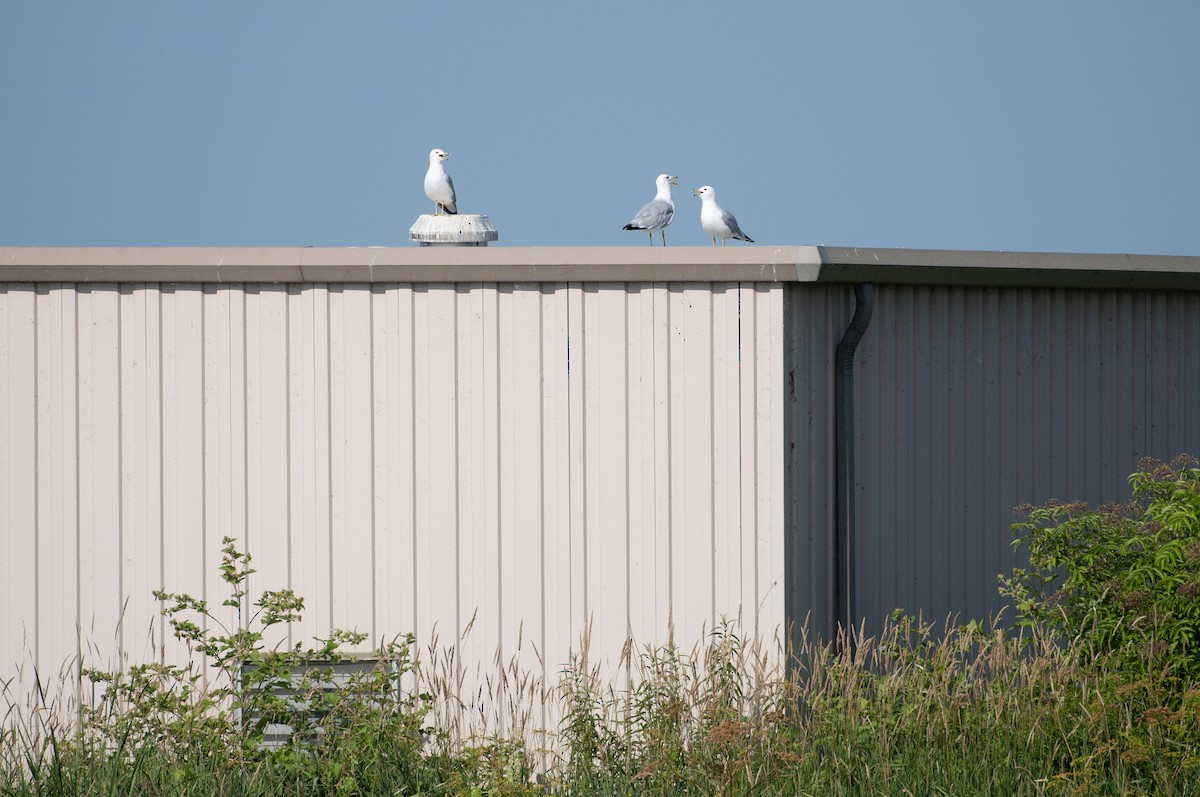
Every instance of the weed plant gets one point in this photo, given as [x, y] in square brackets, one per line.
[952, 709]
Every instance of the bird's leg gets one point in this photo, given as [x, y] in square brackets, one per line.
[663, 231]
[651, 234]
[714, 240]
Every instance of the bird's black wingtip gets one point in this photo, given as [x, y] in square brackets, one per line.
[630, 227]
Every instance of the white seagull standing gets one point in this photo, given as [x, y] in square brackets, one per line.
[438, 185]
[717, 222]
[658, 212]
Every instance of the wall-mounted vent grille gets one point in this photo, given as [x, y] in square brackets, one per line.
[302, 698]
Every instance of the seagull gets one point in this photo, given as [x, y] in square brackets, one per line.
[658, 212]
[717, 222]
[438, 185]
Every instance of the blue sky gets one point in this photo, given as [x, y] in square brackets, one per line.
[1057, 126]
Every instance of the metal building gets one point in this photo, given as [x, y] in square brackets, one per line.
[527, 441]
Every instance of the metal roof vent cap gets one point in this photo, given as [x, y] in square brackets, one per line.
[463, 229]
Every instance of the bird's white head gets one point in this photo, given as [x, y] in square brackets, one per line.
[705, 192]
[438, 155]
[666, 179]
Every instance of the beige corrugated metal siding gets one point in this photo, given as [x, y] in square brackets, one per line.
[407, 457]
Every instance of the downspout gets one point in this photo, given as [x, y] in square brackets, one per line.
[843, 608]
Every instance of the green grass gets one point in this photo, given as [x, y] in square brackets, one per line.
[918, 710]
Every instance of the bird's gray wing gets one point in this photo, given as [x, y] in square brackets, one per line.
[452, 205]
[732, 224]
[655, 214]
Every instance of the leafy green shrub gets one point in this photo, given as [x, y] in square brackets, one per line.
[344, 731]
[1120, 584]
[1127, 573]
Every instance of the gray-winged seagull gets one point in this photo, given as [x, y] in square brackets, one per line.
[658, 212]
[717, 222]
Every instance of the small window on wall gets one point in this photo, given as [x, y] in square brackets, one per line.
[284, 701]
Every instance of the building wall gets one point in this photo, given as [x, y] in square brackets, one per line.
[502, 465]
[514, 460]
[970, 401]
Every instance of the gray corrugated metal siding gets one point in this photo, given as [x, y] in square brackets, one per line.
[971, 400]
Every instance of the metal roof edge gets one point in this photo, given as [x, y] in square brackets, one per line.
[410, 264]
[597, 264]
[1008, 269]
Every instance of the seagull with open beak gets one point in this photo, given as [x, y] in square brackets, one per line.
[717, 222]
